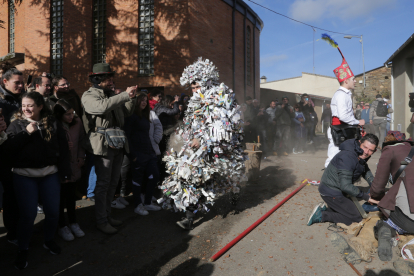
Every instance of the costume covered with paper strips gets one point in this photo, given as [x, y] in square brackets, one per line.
[216, 167]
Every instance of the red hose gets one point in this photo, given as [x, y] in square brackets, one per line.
[247, 231]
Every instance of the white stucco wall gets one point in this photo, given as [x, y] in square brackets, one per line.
[323, 86]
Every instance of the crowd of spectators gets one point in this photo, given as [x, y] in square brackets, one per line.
[280, 127]
[111, 137]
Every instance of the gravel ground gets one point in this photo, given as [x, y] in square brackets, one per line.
[155, 245]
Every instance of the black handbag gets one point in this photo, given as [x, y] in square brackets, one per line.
[341, 133]
[115, 137]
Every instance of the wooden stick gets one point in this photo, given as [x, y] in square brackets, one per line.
[68, 268]
[356, 271]
[253, 147]
[258, 139]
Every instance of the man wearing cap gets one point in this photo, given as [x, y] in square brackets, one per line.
[104, 111]
[341, 105]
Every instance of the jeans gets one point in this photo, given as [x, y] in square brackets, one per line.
[380, 126]
[10, 206]
[92, 175]
[68, 201]
[262, 133]
[282, 138]
[108, 172]
[125, 174]
[146, 165]
[28, 190]
[341, 209]
[310, 126]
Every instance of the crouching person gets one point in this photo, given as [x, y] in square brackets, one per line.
[338, 181]
[398, 203]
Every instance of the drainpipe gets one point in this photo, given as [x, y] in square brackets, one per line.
[254, 60]
[392, 98]
[234, 44]
[244, 53]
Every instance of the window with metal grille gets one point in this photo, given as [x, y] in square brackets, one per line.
[146, 37]
[11, 26]
[57, 37]
[248, 56]
[99, 31]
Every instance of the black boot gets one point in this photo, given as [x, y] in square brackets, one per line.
[385, 235]
[186, 223]
[21, 260]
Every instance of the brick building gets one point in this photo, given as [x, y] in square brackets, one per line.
[147, 42]
[377, 81]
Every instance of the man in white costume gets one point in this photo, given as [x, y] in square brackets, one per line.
[341, 105]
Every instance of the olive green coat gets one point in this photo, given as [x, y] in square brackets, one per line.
[98, 109]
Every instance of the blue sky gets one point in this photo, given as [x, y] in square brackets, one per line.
[286, 47]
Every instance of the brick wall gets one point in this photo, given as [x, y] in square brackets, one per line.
[184, 30]
[4, 32]
[377, 81]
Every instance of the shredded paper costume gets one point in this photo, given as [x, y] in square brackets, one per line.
[217, 166]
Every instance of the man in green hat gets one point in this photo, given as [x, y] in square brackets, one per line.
[103, 120]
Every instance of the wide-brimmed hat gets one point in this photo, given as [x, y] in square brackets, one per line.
[101, 69]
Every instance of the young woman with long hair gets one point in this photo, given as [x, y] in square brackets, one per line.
[75, 135]
[38, 151]
[144, 132]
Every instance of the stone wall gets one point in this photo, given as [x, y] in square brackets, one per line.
[377, 81]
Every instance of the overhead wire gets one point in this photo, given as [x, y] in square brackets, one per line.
[298, 20]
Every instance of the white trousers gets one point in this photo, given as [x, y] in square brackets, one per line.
[332, 149]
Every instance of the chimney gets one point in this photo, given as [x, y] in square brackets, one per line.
[263, 79]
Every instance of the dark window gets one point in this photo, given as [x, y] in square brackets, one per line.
[11, 26]
[146, 37]
[57, 37]
[386, 77]
[99, 31]
[248, 55]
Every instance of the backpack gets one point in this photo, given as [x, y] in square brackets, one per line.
[382, 109]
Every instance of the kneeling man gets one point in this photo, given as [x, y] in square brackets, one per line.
[338, 181]
[398, 203]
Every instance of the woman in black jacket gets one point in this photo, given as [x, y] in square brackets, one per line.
[11, 87]
[38, 150]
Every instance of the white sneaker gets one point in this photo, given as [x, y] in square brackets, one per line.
[152, 207]
[140, 210]
[65, 233]
[117, 204]
[76, 230]
[123, 201]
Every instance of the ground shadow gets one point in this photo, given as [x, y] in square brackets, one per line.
[385, 272]
[146, 245]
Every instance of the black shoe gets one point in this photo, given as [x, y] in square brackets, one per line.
[186, 224]
[15, 242]
[53, 247]
[92, 198]
[385, 234]
[21, 260]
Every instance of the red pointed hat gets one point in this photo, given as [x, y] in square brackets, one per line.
[343, 72]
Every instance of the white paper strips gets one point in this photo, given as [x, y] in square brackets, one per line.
[217, 165]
